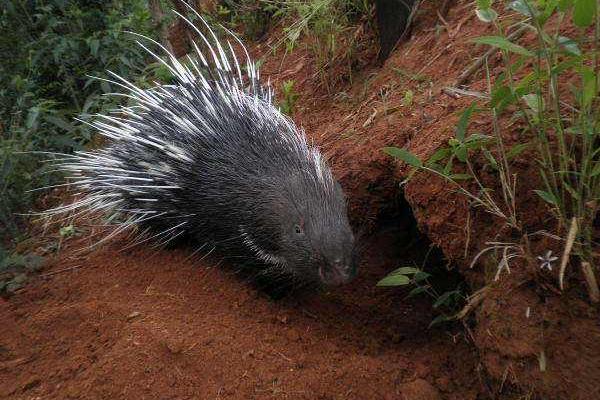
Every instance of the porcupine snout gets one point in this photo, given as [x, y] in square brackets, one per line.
[338, 272]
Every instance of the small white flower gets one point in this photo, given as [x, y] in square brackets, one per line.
[547, 260]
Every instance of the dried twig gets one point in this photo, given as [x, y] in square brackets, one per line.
[568, 247]
[591, 282]
[472, 302]
[456, 93]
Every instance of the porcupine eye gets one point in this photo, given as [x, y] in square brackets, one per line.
[298, 229]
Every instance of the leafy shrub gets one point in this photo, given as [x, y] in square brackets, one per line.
[446, 303]
[50, 51]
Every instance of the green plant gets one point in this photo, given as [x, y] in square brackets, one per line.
[447, 302]
[407, 100]
[50, 51]
[549, 91]
[460, 150]
[252, 15]
[558, 102]
[289, 97]
[332, 27]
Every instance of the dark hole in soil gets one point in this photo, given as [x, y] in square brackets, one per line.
[413, 248]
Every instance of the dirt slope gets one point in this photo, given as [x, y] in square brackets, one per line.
[143, 325]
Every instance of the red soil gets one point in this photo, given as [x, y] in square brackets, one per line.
[143, 325]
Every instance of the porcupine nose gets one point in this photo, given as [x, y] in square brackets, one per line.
[338, 272]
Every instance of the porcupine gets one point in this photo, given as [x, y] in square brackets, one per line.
[209, 156]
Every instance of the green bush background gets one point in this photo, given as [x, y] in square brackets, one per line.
[50, 50]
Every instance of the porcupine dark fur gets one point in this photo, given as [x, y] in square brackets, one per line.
[210, 157]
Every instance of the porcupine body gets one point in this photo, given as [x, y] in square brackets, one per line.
[210, 157]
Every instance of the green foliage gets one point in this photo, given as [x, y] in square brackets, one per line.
[252, 15]
[447, 303]
[330, 25]
[454, 163]
[564, 113]
[50, 49]
[289, 97]
[407, 100]
[551, 90]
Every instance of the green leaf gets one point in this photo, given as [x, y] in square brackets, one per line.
[439, 319]
[394, 280]
[564, 66]
[549, 9]
[501, 97]
[421, 276]
[595, 170]
[574, 193]
[569, 45]
[584, 12]
[524, 7]
[416, 291]
[404, 155]
[533, 101]
[486, 15]
[32, 116]
[476, 140]
[547, 197]
[67, 231]
[504, 44]
[440, 154]
[444, 298]
[407, 100]
[564, 5]
[463, 122]
[94, 45]
[448, 166]
[516, 150]
[589, 86]
[405, 271]
[461, 153]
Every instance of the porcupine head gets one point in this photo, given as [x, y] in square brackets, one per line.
[307, 218]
